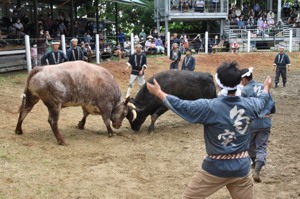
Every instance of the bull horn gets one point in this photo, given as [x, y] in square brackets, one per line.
[131, 105]
[134, 115]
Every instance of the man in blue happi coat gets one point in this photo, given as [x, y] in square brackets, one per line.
[260, 128]
[226, 121]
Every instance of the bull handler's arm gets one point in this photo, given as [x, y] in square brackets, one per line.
[155, 89]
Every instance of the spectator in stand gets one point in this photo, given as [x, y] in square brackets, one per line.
[87, 51]
[62, 28]
[127, 47]
[256, 9]
[279, 24]
[234, 46]
[34, 55]
[49, 23]
[182, 5]
[159, 46]
[175, 39]
[251, 22]
[199, 6]
[241, 22]
[121, 37]
[251, 13]
[185, 41]
[270, 15]
[48, 40]
[19, 29]
[3, 43]
[259, 22]
[118, 52]
[264, 27]
[271, 22]
[149, 46]
[143, 35]
[136, 40]
[87, 37]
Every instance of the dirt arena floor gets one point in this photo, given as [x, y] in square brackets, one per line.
[136, 165]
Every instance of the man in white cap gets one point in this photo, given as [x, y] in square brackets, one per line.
[55, 56]
[281, 61]
[260, 128]
[138, 63]
[75, 52]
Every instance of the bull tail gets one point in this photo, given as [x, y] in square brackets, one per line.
[33, 72]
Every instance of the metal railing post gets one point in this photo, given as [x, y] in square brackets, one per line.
[97, 49]
[248, 41]
[28, 53]
[206, 42]
[291, 40]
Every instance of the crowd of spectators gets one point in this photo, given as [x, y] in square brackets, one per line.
[262, 20]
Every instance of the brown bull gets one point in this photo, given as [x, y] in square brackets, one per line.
[74, 84]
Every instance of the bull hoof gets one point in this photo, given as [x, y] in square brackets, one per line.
[18, 132]
[61, 143]
[110, 134]
[80, 125]
[151, 130]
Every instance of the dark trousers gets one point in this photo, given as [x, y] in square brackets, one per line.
[258, 144]
[174, 65]
[280, 71]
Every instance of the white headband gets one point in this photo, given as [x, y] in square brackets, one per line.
[225, 89]
[250, 70]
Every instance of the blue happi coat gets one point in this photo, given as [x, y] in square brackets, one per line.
[253, 89]
[226, 121]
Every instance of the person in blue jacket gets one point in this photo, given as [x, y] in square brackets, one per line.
[260, 128]
[188, 62]
[226, 121]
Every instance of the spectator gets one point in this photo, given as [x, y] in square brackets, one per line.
[48, 40]
[149, 46]
[87, 51]
[159, 46]
[271, 23]
[241, 22]
[270, 15]
[234, 46]
[127, 47]
[3, 43]
[49, 23]
[260, 22]
[188, 62]
[54, 56]
[34, 55]
[62, 28]
[118, 52]
[87, 37]
[19, 29]
[121, 37]
[199, 6]
[175, 56]
[75, 52]
[197, 43]
[256, 9]
[143, 35]
[136, 39]
[182, 5]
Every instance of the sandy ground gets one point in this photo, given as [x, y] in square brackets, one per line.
[136, 165]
